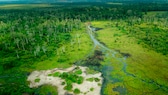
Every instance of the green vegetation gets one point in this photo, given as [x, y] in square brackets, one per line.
[15, 84]
[56, 74]
[24, 6]
[70, 78]
[26, 45]
[96, 79]
[68, 87]
[78, 72]
[150, 30]
[91, 89]
[76, 91]
[47, 89]
[108, 90]
[63, 83]
[90, 79]
[93, 79]
[99, 84]
[32, 41]
[37, 80]
[47, 36]
[143, 61]
[91, 71]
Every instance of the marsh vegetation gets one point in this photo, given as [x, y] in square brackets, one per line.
[129, 46]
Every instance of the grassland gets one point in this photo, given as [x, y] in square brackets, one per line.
[144, 64]
[24, 6]
[112, 3]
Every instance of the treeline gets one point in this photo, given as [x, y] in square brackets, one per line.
[34, 34]
[150, 30]
[151, 7]
[27, 36]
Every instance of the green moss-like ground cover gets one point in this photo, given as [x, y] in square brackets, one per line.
[148, 66]
[47, 89]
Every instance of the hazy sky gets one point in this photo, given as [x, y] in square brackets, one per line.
[9, 0]
[83, 0]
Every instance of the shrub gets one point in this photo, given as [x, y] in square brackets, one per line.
[78, 72]
[90, 79]
[37, 80]
[68, 87]
[96, 79]
[76, 91]
[63, 83]
[64, 75]
[50, 74]
[99, 84]
[56, 74]
[91, 89]
[62, 59]
[91, 71]
[47, 90]
[93, 79]
[79, 80]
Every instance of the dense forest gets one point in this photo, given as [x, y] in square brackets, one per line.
[35, 34]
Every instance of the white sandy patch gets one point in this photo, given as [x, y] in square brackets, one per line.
[56, 81]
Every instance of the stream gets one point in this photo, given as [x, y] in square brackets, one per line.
[107, 68]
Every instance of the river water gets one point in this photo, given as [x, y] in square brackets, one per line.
[107, 68]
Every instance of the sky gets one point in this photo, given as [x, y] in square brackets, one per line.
[7, 0]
